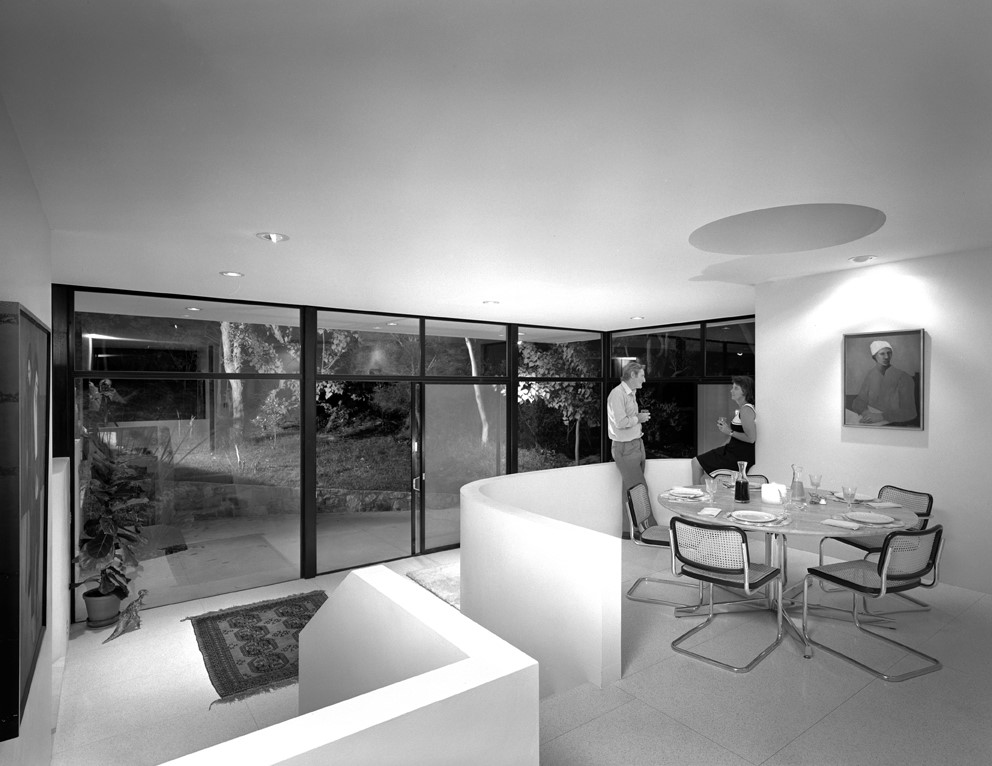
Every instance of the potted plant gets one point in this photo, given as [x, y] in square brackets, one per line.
[114, 509]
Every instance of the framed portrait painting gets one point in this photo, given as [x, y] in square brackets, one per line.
[883, 379]
[25, 355]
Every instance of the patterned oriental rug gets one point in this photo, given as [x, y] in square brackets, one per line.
[255, 647]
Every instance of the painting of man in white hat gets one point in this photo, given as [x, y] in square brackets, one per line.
[887, 395]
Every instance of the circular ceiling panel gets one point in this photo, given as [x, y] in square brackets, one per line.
[787, 229]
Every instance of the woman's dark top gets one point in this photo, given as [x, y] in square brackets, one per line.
[731, 452]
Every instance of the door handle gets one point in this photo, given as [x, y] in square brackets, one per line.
[416, 483]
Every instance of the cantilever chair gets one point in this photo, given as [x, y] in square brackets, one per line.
[718, 555]
[921, 503]
[907, 557]
[644, 531]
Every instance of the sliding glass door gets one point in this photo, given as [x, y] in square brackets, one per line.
[464, 438]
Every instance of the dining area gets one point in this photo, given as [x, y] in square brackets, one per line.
[789, 709]
[729, 543]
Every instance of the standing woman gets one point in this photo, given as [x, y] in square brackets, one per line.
[742, 430]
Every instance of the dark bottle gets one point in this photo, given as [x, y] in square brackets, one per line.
[742, 492]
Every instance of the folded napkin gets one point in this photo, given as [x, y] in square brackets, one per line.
[883, 504]
[686, 490]
[709, 512]
[841, 523]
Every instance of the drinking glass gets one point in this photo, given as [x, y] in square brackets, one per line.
[710, 484]
[814, 483]
[849, 494]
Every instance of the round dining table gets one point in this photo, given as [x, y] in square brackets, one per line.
[789, 519]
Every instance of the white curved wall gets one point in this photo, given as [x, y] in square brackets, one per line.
[541, 565]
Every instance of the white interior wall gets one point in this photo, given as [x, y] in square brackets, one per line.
[25, 277]
[800, 325]
[541, 560]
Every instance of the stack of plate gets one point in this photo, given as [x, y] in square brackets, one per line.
[686, 494]
[866, 517]
[756, 517]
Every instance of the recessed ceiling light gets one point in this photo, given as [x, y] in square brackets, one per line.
[231, 274]
[192, 308]
[494, 303]
[635, 318]
[392, 324]
[861, 258]
[272, 236]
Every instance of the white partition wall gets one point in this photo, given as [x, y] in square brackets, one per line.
[391, 675]
[541, 565]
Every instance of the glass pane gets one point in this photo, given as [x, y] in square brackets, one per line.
[219, 465]
[559, 424]
[366, 344]
[543, 353]
[364, 499]
[730, 348]
[464, 440]
[669, 352]
[671, 432]
[117, 332]
[465, 349]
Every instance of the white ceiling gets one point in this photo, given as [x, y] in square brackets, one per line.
[427, 155]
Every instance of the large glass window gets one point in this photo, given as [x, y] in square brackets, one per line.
[730, 348]
[201, 399]
[559, 410]
[668, 352]
[464, 440]
[219, 461]
[464, 349]
[364, 492]
[116, 333]
[367, 344]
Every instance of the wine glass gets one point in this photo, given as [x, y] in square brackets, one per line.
[814, 483]
[849, 494]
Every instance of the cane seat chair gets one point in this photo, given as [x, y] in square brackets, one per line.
[718, 555]
[920, 503]
[906, 559]
[644, 531]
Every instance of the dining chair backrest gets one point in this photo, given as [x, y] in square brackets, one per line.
[910, 555]
[639, 509]
[719, 549]
[920, 503]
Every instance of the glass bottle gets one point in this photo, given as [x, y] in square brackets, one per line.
[742, 492]
[797, 491]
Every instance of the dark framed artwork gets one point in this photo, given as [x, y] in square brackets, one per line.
[883, 379]
[25, 357]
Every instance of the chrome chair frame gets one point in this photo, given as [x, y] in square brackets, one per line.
[921, 503]
[644, 532]
[719, 555]
[903, 564]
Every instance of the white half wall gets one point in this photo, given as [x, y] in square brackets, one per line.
[391, 675]
[800, 324]
[541, 565]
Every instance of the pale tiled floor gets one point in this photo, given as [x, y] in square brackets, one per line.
[146, 697]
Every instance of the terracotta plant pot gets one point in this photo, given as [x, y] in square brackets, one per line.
[101, 609]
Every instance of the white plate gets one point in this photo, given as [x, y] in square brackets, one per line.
[866, 517]
[754, 517]
[685, 492]
[858, 497]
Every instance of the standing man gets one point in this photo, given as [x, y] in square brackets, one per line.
[887, 395]
[624, 426]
